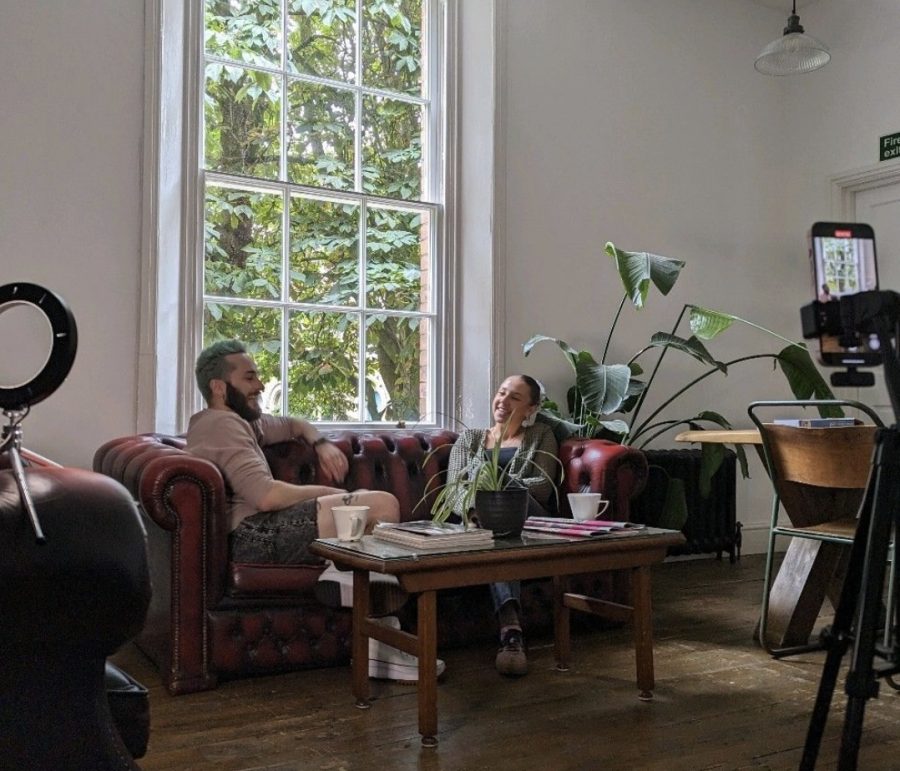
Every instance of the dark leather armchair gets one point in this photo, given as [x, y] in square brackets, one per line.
[213, 617]
[66, 605]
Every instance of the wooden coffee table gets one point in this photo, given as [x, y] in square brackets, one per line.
[423, 573]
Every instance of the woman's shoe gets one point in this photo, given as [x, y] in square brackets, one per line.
[511, 660]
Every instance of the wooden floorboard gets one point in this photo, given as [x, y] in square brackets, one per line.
[720, 703]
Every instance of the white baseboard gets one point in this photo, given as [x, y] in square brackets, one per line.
[755, 538]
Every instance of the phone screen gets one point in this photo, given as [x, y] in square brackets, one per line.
[843, 257]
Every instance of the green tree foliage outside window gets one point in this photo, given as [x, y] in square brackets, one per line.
[317, 238]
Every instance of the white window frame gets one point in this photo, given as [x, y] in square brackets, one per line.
[171, 274]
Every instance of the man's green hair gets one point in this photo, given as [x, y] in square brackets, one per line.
[211, 364]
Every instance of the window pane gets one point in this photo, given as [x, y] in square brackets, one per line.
[321, 38]
[324, 370]
[392, 148]
[396, 368]
[330, 150]
[246, 31]
[242, 244]
[324, 252]
[242, 108]
[397, 260]
[260, 330]
[392, 45]
[320, 144]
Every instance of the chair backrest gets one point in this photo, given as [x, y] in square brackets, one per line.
[819, 474]
[826, 457]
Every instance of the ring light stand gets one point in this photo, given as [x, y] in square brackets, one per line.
[16, 401]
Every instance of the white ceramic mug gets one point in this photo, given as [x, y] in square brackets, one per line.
[587, 505]
[350, 521]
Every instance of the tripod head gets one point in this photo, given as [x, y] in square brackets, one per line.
[878, 312]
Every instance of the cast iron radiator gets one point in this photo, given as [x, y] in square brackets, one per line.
[711, 524]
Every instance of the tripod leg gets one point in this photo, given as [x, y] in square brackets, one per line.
[837, 637]
[862, 683]
[18, 470]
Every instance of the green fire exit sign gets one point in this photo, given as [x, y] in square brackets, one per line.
[889, 147]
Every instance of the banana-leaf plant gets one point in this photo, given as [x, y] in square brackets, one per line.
[607, 399]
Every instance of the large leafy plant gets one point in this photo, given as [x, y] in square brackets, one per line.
[607, 399]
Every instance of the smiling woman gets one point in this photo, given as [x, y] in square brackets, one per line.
[516, 453]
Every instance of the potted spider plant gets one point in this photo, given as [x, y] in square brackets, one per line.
[607, 399]
[497, 497]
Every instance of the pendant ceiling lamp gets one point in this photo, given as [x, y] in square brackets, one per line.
[794, 53]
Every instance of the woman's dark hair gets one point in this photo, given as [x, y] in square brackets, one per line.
[534, 388]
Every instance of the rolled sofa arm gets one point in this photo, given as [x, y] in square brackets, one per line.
[601, 466]
[183, 499]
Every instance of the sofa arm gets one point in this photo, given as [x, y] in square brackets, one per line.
[180, 492]
[601, 466]
[183, 497]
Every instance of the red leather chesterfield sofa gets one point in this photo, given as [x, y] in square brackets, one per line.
[212, 617]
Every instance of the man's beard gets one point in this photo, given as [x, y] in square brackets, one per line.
[241, 404]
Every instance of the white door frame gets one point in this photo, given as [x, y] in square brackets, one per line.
[844, 187]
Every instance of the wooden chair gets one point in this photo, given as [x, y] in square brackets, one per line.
[819, 477]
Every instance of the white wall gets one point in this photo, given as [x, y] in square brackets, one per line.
[836, 119]
[70, 125]
[646, 125]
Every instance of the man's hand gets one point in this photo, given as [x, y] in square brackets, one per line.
[332, 461]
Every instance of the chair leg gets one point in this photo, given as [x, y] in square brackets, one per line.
[889, 630]
[767, 588]
[767, 579]
[890, 619]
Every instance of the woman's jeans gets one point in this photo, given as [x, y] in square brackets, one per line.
[505, 591]
[511, 591]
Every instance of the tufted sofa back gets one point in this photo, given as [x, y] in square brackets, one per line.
[406, 463]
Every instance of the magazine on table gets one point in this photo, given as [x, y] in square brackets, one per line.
[587, 529]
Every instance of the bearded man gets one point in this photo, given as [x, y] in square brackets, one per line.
[272, 521]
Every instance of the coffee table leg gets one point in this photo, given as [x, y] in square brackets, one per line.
[359, 640]
[427, 686]
[561, 616]
[643, 631]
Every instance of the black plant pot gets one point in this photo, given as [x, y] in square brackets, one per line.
[502, 511]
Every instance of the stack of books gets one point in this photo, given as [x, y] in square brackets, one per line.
[425, 534]
[592, 528]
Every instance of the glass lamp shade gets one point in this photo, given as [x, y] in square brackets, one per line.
[792, 54]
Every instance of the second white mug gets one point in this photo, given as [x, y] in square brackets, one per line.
[587, 505]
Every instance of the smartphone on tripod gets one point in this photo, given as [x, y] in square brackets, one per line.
[843, 263]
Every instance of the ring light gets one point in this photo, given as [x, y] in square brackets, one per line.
[62, 351]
